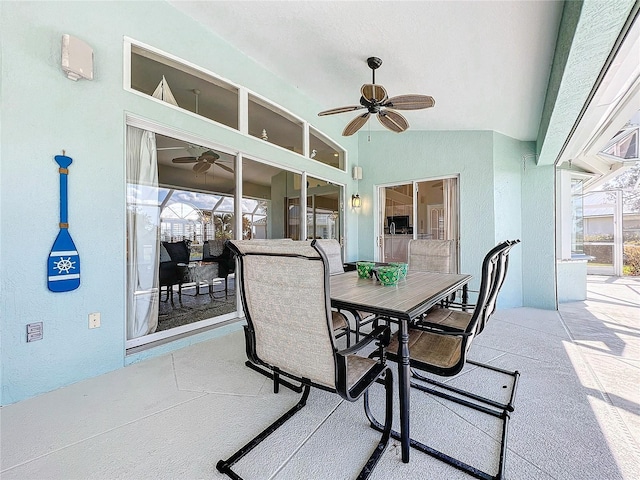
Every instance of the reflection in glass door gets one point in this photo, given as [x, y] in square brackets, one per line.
[323, 209]
[421, 210]
[602, 223]
[397, 221]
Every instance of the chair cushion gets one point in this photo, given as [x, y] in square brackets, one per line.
[213, 248]
[339, 320]
[178, 251]
[357, 367]
[442, 351]
[450, 318]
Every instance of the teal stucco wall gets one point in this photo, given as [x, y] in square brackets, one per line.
[493, 183]
[508, 157]
[43, 113]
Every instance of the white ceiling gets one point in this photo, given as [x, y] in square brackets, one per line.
[486, 63]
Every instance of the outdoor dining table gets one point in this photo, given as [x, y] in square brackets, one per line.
[413, 296]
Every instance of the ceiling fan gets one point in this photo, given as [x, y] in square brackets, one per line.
[202, 157]
[375, 99]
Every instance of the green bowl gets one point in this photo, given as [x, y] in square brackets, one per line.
[388, 276]
[364, 269]
[402, 267]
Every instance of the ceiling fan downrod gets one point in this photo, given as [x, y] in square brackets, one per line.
[374, 63]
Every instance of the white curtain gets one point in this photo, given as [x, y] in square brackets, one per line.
[143, 233]
[382, 221]
[450, 194]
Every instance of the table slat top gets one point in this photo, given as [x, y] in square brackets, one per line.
[411, 297]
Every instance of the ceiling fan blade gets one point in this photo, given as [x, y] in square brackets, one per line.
[410, 102]
[354, 125]
[373, 93]
[185, 160]
[224, 167]
[201, 167]
[350, 108]
[393, 120]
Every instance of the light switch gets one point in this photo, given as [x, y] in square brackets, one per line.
[94, 320]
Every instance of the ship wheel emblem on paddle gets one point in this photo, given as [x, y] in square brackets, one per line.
[63, 269]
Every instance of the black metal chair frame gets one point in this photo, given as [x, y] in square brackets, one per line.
[492, 280]
[360, 388]
[174, 271]
[226, 265]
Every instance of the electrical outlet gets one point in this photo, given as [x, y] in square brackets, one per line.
[94, 320]
[34, 331]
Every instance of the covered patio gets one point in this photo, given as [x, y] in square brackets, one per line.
[577, 410]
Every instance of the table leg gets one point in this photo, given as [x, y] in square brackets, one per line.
[404, 390]
[465, 297]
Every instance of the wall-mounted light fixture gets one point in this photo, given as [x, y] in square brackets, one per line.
[356, 173]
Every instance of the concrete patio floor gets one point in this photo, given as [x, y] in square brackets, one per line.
[577, 410]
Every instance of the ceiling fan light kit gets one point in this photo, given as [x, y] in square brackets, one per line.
[375, 99]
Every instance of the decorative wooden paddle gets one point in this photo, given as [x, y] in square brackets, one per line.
[63, 271]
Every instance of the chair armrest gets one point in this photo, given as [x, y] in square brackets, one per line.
[439, 329]
[383, 334]
[352, 392]
[461, 306]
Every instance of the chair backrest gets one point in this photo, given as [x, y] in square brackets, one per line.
[333, 252]
[433, 256]
[285, 295]
[178, 251]
[212, 248]
[494, 272]
[218, 251]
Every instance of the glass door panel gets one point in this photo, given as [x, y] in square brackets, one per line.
[602, 225]
[273, 196]
[192, 203]
[398, 222]
[323, 209]
[421, 210]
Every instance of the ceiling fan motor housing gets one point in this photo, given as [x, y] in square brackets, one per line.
[374, 62]
[373, 107]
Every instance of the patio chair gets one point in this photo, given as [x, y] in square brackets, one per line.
[332, 250]
[439, 345]
[285, 296]
[339, 321]
[432, 255]
[172, 270]
[216, 251]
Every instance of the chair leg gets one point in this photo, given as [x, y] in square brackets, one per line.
[277, 381]
[345, 332]
[386, 429]
[502, 406]
[224, 466]
[502, 412]
[348, 334]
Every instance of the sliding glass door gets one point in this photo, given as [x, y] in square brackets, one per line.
[426, 209]
[182, 207]
[324, 207]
